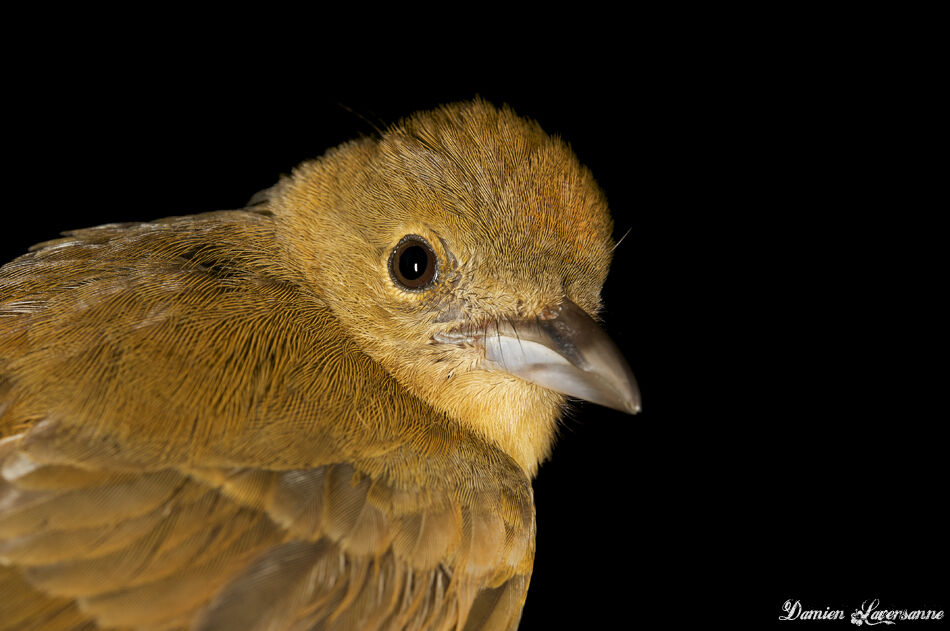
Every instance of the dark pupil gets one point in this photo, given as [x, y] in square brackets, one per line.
[413, 262]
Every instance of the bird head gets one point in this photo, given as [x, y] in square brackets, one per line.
[464, 251]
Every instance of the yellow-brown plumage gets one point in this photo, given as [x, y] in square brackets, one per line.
[238, 420]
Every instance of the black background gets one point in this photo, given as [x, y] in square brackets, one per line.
[776, 295]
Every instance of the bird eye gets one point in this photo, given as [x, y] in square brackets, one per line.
[413, 263]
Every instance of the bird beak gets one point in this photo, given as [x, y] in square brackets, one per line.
[566, 352]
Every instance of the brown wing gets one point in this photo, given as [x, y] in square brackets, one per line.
[189, 441]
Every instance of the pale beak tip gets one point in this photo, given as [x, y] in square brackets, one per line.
[632, 404]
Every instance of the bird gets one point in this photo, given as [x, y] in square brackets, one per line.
[323, 410]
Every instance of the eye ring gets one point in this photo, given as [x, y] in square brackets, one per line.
[413, 264]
